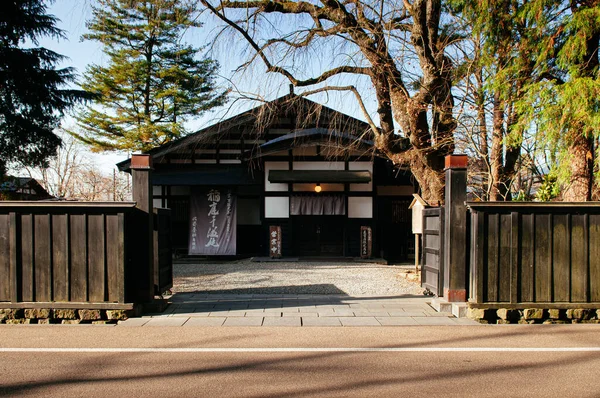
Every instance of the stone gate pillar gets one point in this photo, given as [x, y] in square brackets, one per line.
[455, 229]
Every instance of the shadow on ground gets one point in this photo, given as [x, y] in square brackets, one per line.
[277, 297]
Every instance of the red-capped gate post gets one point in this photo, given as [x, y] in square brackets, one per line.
[455, 229]
[141, 171]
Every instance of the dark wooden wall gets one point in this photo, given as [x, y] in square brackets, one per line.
[163, 251]
[68, 252]
[432, 259]
[535, 253]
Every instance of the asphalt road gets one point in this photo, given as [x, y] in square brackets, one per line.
[455, 361]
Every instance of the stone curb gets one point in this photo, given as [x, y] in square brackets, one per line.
[534, 315]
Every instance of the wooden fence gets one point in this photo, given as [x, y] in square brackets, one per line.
[163, 252]
[433, 250]
[72, 252]
[534, 253]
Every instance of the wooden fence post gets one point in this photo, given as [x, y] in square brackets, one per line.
[455, 228]
[141, 171]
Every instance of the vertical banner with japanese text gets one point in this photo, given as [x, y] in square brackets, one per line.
[213, 222]
[275, 241]
[366, 242]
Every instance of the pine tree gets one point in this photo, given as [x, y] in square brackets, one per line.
[151, 83]
[32, 97]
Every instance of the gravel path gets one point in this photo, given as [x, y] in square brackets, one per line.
[246, 277]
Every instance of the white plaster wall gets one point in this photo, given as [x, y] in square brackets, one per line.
[360, 207]
[275, 166]
[318, 166]
[361, 166]
[277, 207]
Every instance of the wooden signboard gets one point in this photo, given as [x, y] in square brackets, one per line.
[366, 242]
[275, 241]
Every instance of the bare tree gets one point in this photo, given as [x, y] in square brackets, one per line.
[60, 177]
[414, 101]
[72, 175]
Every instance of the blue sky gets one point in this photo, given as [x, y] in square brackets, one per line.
[229, 50]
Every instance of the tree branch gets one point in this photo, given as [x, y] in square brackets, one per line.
[358, 98]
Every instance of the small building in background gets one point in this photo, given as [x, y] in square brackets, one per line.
[22, 188]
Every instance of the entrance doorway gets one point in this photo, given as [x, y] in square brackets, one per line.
[318, 236]
[394, 232]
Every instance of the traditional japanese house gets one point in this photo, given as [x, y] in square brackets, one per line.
[289, 163]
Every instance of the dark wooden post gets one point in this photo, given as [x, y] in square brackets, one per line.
[455, 228]
[141, 171]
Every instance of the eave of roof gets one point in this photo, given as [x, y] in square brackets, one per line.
[320, 176]
[313, 136]
[232, 122]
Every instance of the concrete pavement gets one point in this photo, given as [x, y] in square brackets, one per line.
[196, 309]
[483, 361]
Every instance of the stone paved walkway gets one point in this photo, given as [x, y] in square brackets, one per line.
[193, 309]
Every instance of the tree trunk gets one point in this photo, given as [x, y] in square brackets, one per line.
[426, 159]
[581, 164]
[431, 180]
[496, 156]
[581, 150]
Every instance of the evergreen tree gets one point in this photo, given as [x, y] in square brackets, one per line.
[565, 100]
[543, 58]
[32, 97]
[152, 83]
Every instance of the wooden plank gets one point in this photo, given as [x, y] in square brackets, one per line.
[561, 263]
[559, 306]
[27, 258]
[493, 234]
[594, 258]
[504, 260]
[579, 258]
[156, 236]
[543, 258]
[472, 267]
[78, 272]
[96, 258]
[527, 257]
[121, 256]
[515, 263]
[5, 280]
[43, 257]
[60, 257]
[70, 305]
[95, 206]
[480, 255]
[113, 261]
[442, 255]
[15, 274]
